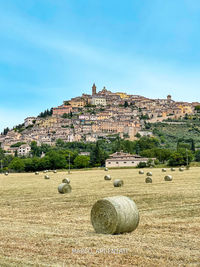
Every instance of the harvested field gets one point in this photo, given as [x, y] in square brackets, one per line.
[40, 227]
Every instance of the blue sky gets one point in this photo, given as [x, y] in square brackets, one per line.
[54, 50]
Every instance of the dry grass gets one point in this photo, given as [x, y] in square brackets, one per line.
[40, 227]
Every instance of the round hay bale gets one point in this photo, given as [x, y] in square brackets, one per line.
[168, 178]
[149, 174]
[64, 188]
[148, 180]
[6, 173]
[118, 183]
[107, 177]
[46, 177]
[114, 215]
[181, 169]
[106, 169]
[66, 181]
[36, 173]
[187, 168]
[141, 172]
[45, 171]
[54, 171]
[164, 170]
[173, 169]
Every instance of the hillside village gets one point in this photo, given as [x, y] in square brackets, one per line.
[91, 117]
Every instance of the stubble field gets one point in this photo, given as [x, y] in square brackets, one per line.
[40, 227]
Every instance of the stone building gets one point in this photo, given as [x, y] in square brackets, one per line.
[94, 89]
[24, 150]
[29, 121]
[63, 109]
[77, 102]
[98, 100]
[121, 159]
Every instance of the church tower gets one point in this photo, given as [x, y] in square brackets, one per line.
[94, 89]
[169, 98]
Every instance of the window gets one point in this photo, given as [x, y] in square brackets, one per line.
[109, 162]
[124, 161]
[132, 161]
[117, 162]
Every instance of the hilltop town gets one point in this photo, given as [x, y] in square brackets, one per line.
[91, 117]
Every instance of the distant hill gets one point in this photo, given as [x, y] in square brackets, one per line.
[178, 132]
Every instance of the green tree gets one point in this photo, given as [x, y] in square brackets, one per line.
[5, 131]
[60, 143]
[192, 145]
[146, 142]
[176, 159]
[142, 165]
[197, 108]
[138, 135]
[1, 154]
[181, 157]
[32, 164]
[17, 164]
[44, 163]
[82, 161]
[125, 104]
[56, 159]
[97, 156]
[197, 156]
[162, 154]
[35, 151]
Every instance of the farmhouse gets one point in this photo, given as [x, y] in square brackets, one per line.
[121, 159]
[24, 150]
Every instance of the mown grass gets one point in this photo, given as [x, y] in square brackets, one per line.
[40, 227]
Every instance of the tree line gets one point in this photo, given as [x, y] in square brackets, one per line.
[65, 153]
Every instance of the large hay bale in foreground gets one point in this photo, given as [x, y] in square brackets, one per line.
[164, 170]
[46, 177]
[114, 215]
[173, 169]
[181, 169]
[66, 181]
[141, 172]
[107, 177]
[64, 188]
[148, 180]
[168, 178]
[118, 183]
[149, 174]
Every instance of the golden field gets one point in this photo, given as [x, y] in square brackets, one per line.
[40, 227]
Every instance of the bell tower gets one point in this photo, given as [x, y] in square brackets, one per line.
[169, 98]
[94, 89]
